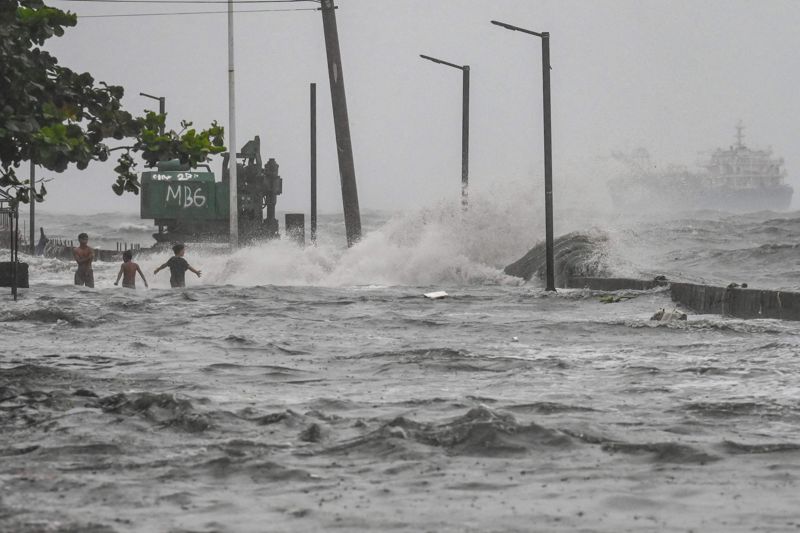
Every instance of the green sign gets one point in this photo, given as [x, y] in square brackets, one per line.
[181, 195]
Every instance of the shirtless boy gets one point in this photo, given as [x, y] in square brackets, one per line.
[128, 270]
[84, 256]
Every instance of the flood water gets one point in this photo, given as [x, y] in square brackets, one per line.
[316, 389]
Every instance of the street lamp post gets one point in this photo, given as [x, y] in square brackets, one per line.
[162, 105]
[464, 125]
[313, 128]
[548, 149]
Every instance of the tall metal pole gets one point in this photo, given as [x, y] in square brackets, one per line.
[162, 107]
[232, 161]
[548, 151]
[464, 125]
[548, 163]
[33, 208]
[344, 147]
[162, 110]
[465, 139]
[313, 163]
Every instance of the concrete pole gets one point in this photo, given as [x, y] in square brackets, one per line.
[548, 163]
[33, 208]
[465, 139]
[232, 161]
[313, 163]
[344, 147]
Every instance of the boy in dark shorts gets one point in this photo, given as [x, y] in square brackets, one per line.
[128, 270]
[177, 267]
[84, 256]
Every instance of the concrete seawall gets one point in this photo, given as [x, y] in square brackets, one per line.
[707, 299]
[64, 253]
[738, 302]
[614, 284]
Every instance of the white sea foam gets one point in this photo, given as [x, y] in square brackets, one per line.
[442, 245]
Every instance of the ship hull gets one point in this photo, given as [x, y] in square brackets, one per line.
[638, 197]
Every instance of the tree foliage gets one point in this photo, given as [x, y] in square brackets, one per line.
[56, 117]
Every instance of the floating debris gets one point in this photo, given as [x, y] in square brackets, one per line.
[437, 295]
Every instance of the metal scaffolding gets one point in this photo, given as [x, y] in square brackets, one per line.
[9, 226]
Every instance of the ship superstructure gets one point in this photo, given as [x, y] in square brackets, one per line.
[734, 179]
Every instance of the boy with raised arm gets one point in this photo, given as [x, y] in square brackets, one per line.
[177, 267]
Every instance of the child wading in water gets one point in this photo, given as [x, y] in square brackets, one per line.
[177, 267]
[128, 270]
[84, 256]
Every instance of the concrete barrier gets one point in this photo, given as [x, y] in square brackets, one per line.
[295, 226]
[6, 277]
[64, 252]
[737, 302]
[707, 299]
[614, 284]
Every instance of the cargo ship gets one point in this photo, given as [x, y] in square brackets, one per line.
[737, 179]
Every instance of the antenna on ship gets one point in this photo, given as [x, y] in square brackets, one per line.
[739, 134]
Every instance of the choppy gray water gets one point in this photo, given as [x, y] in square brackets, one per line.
[306, 390]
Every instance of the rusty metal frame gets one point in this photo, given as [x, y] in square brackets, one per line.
[10, 208]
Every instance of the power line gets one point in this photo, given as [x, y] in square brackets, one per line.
[192, 1]
[80, 17]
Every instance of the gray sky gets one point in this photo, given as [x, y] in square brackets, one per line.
[673, 77]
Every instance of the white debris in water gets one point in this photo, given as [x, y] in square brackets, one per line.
[437, 295]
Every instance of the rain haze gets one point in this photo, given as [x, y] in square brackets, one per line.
[445, 371]
[672, 77]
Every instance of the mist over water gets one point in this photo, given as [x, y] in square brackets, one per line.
[312, 388]
[435, 244]
[442, 244]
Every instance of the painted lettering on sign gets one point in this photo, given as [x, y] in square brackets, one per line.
[179, 176]
[185, 196]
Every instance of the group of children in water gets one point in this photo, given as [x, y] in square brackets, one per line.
[84, 255]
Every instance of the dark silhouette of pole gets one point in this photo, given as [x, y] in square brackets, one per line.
[344, 146]
[33, 208]
[548, 162]
[15, 251]
[464, 125]
[313, 163]
[162, 106]
[465, 138]
[548, 150]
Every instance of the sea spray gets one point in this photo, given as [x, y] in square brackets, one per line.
[440, 245]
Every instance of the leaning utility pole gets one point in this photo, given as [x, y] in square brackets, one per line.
[344, 146]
